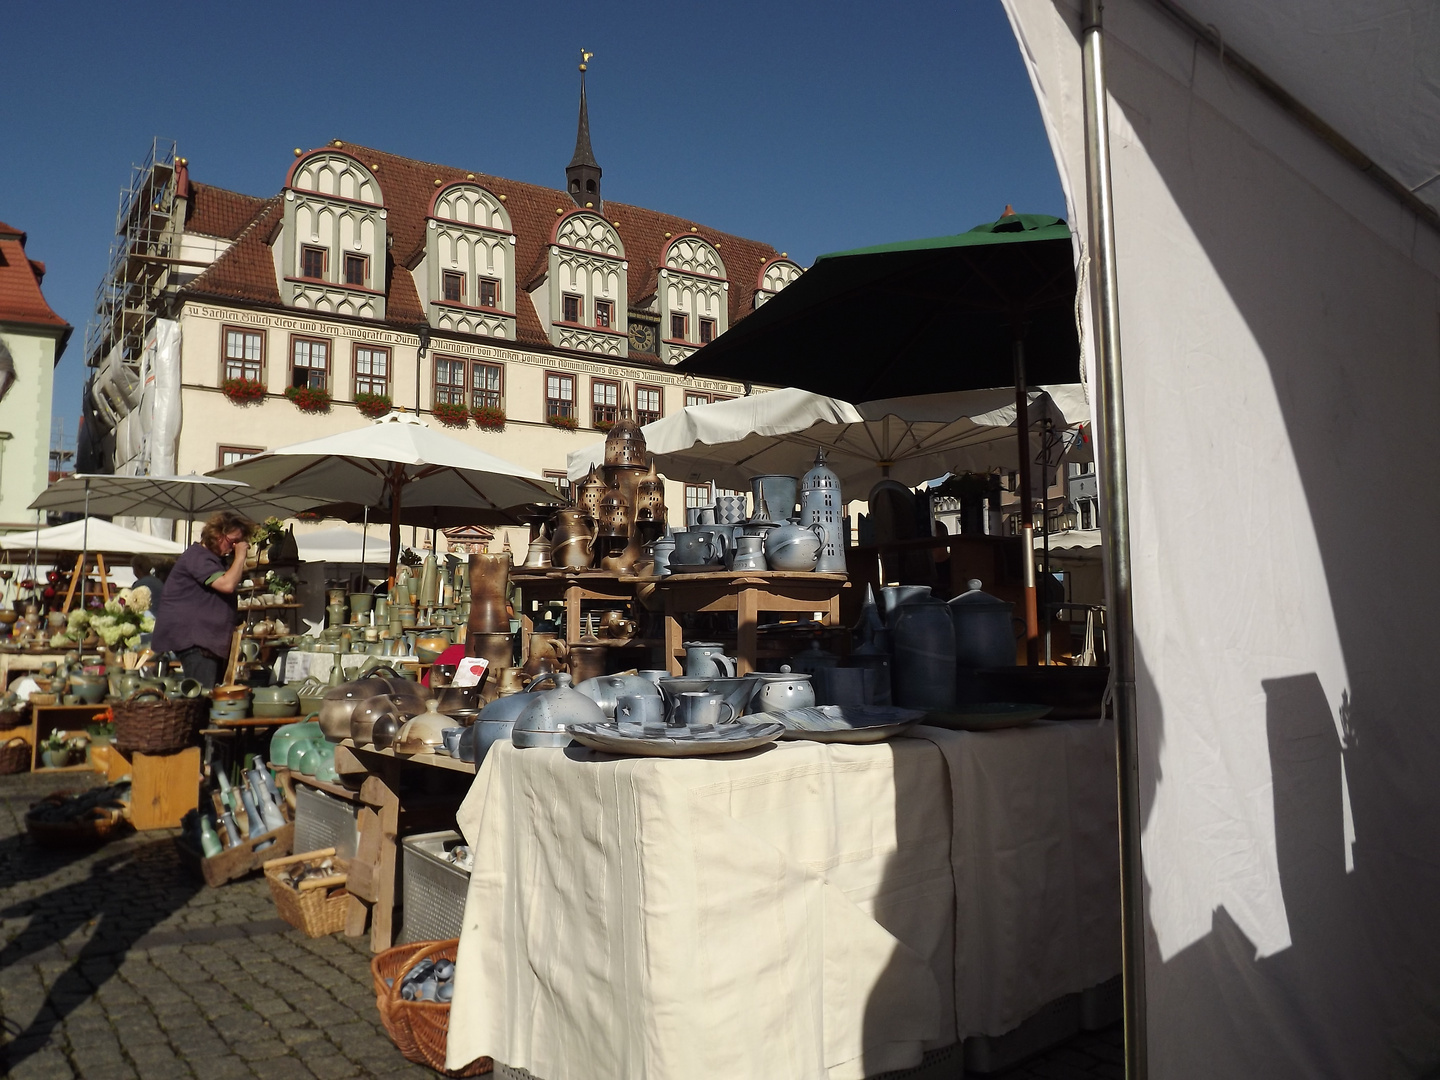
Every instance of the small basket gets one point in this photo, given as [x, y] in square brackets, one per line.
[15, 757]
[317, 907]
[155, 726]
[419, 1029]
[102, 825]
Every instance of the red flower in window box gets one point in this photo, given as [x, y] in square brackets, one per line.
[488, 418]
[309, 399]
[243, 391]
[372, 405]
[564, 423]
[604, 425]
[451, 415]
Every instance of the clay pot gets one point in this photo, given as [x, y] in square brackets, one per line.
[489, 578]
[429, 646]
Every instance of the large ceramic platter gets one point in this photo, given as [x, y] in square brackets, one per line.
[989, 716]
[847, 723]
[728, 739]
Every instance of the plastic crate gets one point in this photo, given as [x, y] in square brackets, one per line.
[323, 821]
[433, 888]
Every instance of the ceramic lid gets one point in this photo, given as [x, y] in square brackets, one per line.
[979, 601]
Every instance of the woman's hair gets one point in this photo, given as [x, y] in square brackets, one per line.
[222, 523]
[142, 565]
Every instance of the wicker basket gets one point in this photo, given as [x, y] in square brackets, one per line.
[420, 1029]
[145, 723]
[100, 826]
[15, 757]
[317, 907]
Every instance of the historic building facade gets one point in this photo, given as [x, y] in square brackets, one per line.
[527, 316]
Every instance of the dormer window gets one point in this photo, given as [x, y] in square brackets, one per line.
[707, 331]
[313, 262]
[570, 307]
[452, 286]
[357, 270]
[604, 313]
[489, 293]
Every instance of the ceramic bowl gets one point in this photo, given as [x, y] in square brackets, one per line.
[275, 710]
[735, 691]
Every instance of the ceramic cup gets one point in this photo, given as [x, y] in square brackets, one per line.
[451, 737]
[645, 712]
[700, 712]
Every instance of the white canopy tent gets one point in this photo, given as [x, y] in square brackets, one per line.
[340, 545]
[103, 536]
[1272, 269]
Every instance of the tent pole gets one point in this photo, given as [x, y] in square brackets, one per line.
[1114, 504]
[395, 520]
[1027, 511]
[364, 533]
[84, 543]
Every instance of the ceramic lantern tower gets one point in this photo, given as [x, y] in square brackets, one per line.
[821, 504]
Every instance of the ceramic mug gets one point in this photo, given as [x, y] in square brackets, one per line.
[700, 712]
[643, 711]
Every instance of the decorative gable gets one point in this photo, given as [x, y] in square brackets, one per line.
[774, 276]
[587, 291]
[692, 294]
[469, 264]
[332, 254]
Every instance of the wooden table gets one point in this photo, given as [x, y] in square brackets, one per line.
[387, 812]
[747, 595]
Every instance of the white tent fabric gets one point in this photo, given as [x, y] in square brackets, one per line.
[914, 438]
[1279, 336]
[102, 536]
[341, 546]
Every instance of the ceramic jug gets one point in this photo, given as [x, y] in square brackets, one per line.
[548, 653]
[572, 543]
[923, 676]
[661, 551]
[701, 545]
[489, 580]
[707, 660]
[748, 554]
[984, 630]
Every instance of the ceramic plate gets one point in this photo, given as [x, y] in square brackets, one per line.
[728, 739]
[847, 723]
[989, 716]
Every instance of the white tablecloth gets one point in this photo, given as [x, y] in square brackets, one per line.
[807, 911]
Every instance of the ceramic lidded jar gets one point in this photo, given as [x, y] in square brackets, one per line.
[545, 721]
[821, 504]
[923, 674]
[984, 631]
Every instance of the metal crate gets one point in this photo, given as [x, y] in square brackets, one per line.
[323, 821]
[433, 888]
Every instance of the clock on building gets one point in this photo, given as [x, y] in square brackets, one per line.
[644, 337]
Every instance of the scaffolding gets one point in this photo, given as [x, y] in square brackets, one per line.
[138, 269]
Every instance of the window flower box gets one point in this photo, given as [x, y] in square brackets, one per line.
[451, 415]
[243, 391]
[604, 425]
[488, 418]
[309, 399]
[372, 405]
[564, 423]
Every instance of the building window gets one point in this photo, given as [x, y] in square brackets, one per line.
[313, 261]
[372, 370]
[570, 307]
[697, 495]
[604, 401]
[559, 395]
[449, 381]
[486, 386]
[648, 406]
[357, 269]
[679, 326]
[309, 363]
[452, 287]
[489, 293]
[695, 397]
[561, 481]
[244, 355]
[229, 455]
[707, 331]
[604, 313]
[1085, 514]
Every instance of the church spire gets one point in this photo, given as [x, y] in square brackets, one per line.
[582, 175]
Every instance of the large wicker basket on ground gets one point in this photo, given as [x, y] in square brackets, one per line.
[317, 907]
[146, 723]
[419, 1028]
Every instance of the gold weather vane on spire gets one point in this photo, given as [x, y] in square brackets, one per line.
[585, 59]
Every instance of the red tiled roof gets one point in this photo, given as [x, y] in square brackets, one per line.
[21, 300]
[214, 211]
[247, 272]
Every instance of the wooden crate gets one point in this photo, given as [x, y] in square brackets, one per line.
[163, 787]
[242, 859]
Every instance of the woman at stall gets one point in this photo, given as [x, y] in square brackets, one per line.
[197, 616]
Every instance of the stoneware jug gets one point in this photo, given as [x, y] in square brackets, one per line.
[572, 542]
[707, 660]
[924, 671]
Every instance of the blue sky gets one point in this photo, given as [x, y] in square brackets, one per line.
[814, 127]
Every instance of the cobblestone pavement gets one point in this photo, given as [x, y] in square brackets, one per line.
[118, 963]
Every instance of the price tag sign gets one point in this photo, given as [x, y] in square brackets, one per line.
[470, 672]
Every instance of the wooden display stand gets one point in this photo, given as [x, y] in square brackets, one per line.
[163, 787]
[69, 720]
[574, 587]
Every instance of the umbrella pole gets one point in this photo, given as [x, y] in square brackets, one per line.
[1027, 513]
[84, 545]
[394, 520]
[1114, 505]
[364, 534]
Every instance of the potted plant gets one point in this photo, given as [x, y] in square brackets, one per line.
[372, 405]
[55, 750]
[451, 415]
[243, 391]
[564, 423]
[604, 425]
[488, 418]
[309, 398]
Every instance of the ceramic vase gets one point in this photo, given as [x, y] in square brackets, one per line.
[489, 581]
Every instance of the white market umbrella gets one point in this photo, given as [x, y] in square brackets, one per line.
[396, 461]
[908, 440]
[338, 545]
[100, 535]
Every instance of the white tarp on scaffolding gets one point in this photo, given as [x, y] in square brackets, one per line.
[1279, 328]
